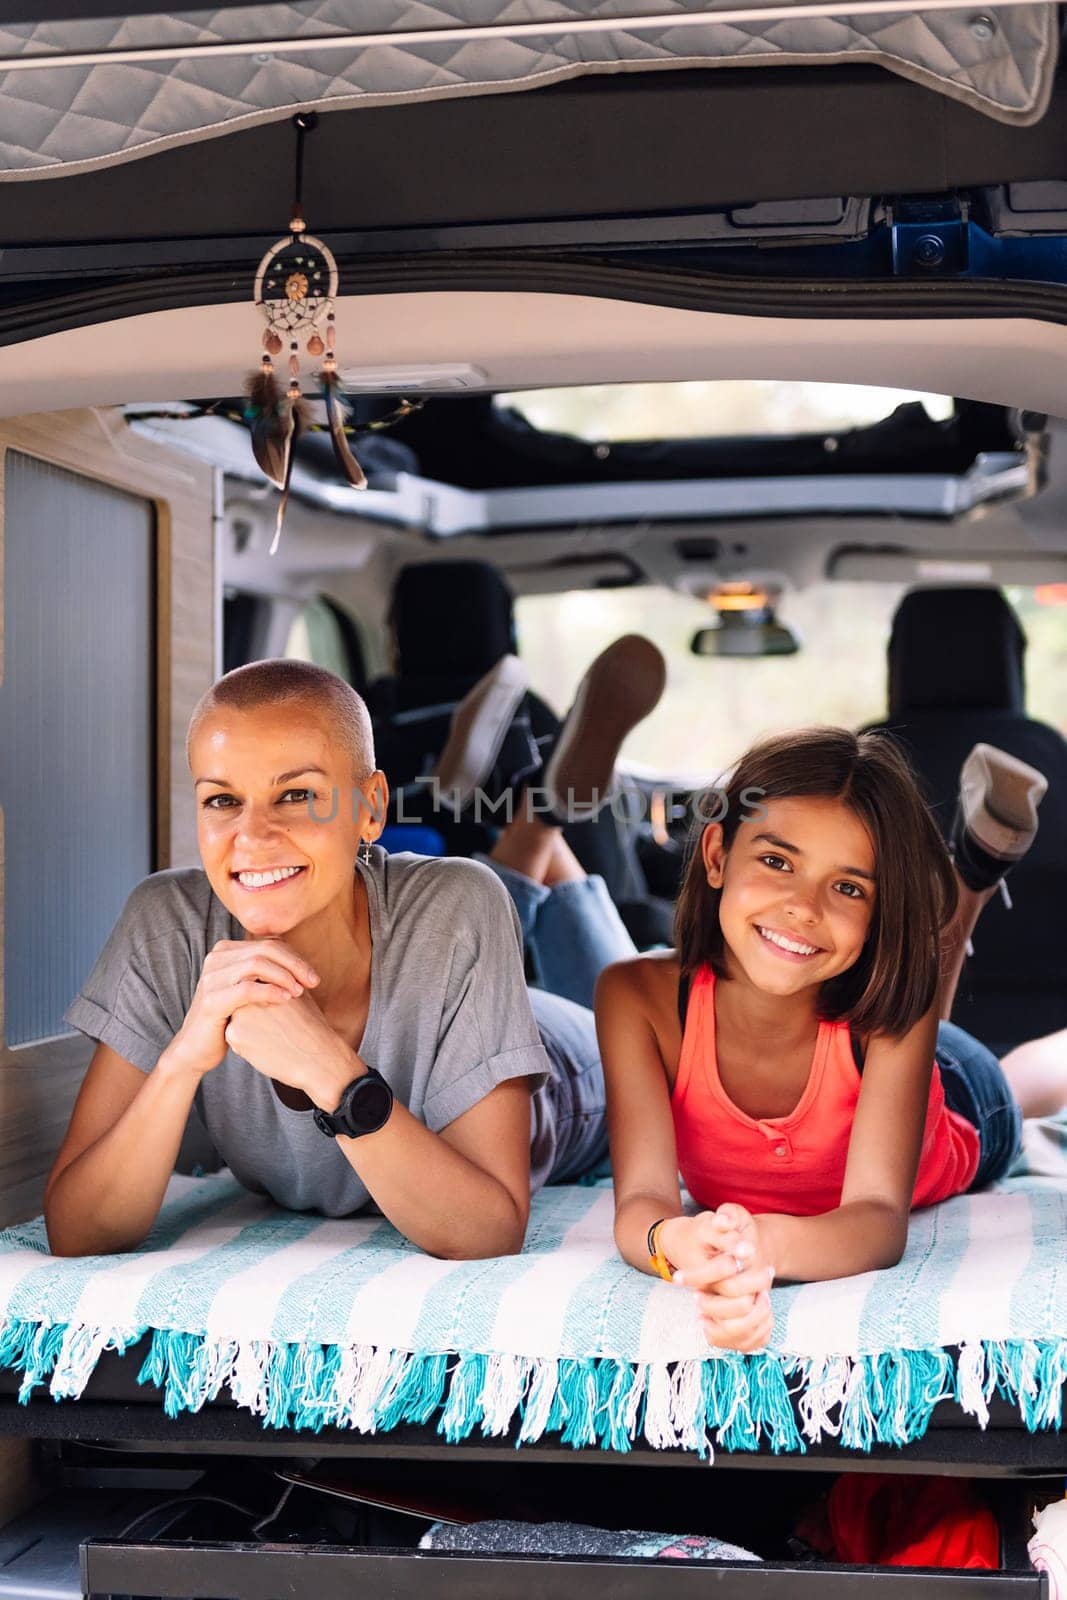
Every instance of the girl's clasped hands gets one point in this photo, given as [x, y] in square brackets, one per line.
[720, 1256]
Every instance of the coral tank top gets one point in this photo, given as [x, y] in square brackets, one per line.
[793, 1164]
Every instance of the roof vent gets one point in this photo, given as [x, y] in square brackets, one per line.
[414, 379]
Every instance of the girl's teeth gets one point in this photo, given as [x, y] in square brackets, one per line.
[788, 944]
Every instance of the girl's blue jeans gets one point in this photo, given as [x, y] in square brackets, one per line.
[572, 931]
[976, 1087]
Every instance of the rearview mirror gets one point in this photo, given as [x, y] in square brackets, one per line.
[745, 623]
[740, 637]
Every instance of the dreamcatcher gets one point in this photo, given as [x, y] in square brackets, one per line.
[296, 289]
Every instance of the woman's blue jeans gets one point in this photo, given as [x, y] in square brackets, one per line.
[571, 932]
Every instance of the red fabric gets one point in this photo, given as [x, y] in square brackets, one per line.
[886, 1521]
[793, 1164]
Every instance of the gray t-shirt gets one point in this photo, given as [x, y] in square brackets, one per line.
[449, 1015]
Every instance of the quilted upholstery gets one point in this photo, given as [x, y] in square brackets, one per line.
[64, 119]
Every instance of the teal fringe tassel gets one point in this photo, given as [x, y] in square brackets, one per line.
[733, 1402]
[462, 1411]
[418, 1394]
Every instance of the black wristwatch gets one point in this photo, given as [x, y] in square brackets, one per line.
[365, 1107]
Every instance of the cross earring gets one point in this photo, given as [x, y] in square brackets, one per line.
[364, 852]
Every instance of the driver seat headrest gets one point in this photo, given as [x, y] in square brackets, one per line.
[956, 649]
[452, 619]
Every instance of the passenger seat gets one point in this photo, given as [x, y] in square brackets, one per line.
[452, 621]
[955, 678]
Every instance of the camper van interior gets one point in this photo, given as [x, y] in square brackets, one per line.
[613, 363]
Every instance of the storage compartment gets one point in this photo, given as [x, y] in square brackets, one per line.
[121, 1522]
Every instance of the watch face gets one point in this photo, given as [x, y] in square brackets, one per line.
[369, 1104]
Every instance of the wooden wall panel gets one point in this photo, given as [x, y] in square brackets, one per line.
[38, 1082]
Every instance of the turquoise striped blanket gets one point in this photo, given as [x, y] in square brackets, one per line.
[309, 1321]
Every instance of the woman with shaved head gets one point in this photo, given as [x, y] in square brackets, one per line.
[354, 1027]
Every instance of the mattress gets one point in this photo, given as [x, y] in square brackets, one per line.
[303, 1324]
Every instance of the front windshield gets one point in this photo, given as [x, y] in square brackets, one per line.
[714, 707]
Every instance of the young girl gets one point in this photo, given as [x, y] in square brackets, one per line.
[786, 1058]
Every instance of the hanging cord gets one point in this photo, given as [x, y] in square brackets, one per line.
[304, 122]
[261, 1523]
[183, 1500]
[274, 1514]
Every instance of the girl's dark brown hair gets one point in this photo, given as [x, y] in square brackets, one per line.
[894, 981]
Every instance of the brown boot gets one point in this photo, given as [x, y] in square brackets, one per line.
[621, 687]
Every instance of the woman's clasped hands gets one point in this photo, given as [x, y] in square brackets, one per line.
[253, 998]
[721, 1257]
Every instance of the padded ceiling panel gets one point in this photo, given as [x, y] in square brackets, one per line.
[593, 149]
[141, 83]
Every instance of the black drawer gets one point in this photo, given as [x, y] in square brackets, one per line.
[191, 1571]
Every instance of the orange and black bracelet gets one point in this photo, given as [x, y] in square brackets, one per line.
[658, 1261]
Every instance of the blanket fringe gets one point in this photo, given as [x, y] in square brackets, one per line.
[734, 1402]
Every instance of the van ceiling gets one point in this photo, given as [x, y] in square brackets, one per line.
[525, 340]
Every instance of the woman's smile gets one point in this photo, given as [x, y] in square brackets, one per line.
[267, 878]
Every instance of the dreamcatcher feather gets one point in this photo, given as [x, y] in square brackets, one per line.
[296, 288]
[276, 421]
[337, 411]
